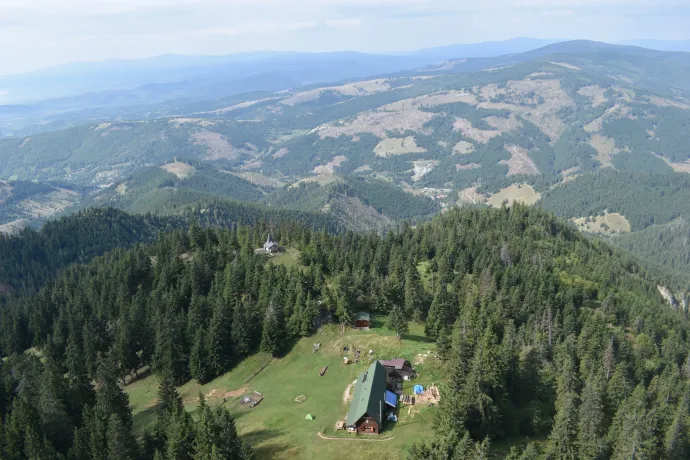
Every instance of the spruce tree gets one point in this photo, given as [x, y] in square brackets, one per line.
[397, 321]
[273, 333]
[121, 443]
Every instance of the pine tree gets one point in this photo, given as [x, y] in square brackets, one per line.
[677, 438]
[562, 440]
[397, 321]
[219, 341]
[592, 424]
[110, 398]
[273, 333]
[240, 331]
[414, 294]
[198, 359]
[121, 443]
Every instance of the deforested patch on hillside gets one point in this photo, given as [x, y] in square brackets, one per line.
[664, 102]
[257, 179]
[480, 135]
[281, 153]
[567, 66]
[361, 88]
[471, 196]
[608, 223]
[241, 105]
[321, 179]
[378, 123]
[606, 149]
[204, 123]
[595, 92]
[520, 162]
[217, 146]
[5, 191]
[180, 169]
[463, 148]
[432, 100]
[422, 168]
[50, 204]
[329, 168]
[467, 167]
[538, 101]
[397, 146]
[516, 193]
[13, 228]
[354, 214]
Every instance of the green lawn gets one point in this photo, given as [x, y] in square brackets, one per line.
[276, 427]
[289, 258]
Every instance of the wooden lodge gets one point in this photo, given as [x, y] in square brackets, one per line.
[367, 411]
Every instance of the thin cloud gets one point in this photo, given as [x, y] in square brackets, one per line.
[352, 22]
[558, 13]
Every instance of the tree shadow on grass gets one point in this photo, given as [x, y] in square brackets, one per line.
[267, 448]
[144, 419]
[418, 338]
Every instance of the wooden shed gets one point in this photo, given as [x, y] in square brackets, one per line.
[362, 320]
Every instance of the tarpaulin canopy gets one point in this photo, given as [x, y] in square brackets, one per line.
[391, 399]
[418, 389]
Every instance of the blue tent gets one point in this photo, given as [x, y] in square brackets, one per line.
[391, 399]
[418, 389]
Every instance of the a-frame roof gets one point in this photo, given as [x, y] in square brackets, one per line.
[370, 392]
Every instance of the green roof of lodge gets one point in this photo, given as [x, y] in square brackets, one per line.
[362, 316]
[369, 395]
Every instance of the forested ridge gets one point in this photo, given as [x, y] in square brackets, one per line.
[543, 333]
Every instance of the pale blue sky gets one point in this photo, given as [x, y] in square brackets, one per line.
[40, 33]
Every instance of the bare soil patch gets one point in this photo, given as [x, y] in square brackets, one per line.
[521, 193]
[432, 100]
[13, 228]
[329, 168]
[520, 162]
[463, 148]
[471, 196]
[241, 105]
[595, 93]
[566, 65]
[194, 121]
[397, 146]
[467, 166]
[281, 153]
[361, 88]
[218, 146]
[24, 142]
[256, 178]
[482, 136]
[378, 123]
[422, 168]
[609, 223]
[606, 149]
[181, 170]
[321, 179]
[663, 102]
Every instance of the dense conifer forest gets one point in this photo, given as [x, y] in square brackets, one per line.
[543, 334]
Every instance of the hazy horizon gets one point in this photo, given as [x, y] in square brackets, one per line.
[36, 34]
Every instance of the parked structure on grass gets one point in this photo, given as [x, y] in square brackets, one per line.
[270, 246]
[369, 403]
[362, 320]
[399, 368]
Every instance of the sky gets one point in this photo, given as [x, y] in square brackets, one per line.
[40, 33]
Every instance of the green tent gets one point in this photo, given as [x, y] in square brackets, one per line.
[309, 417]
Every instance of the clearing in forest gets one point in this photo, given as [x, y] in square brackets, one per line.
[521, 193]
[181, 170]
[276, 427]
[397, 146]
[609, 223]
[519, 163]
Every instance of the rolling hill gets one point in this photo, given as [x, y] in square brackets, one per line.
[594, 132]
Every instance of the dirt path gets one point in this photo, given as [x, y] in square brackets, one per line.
[526, 158]
[465, 193]
[346, 393]
[330, 438]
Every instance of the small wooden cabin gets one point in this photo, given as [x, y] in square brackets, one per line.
[366, 412]
[362, 320]
[399, 368]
